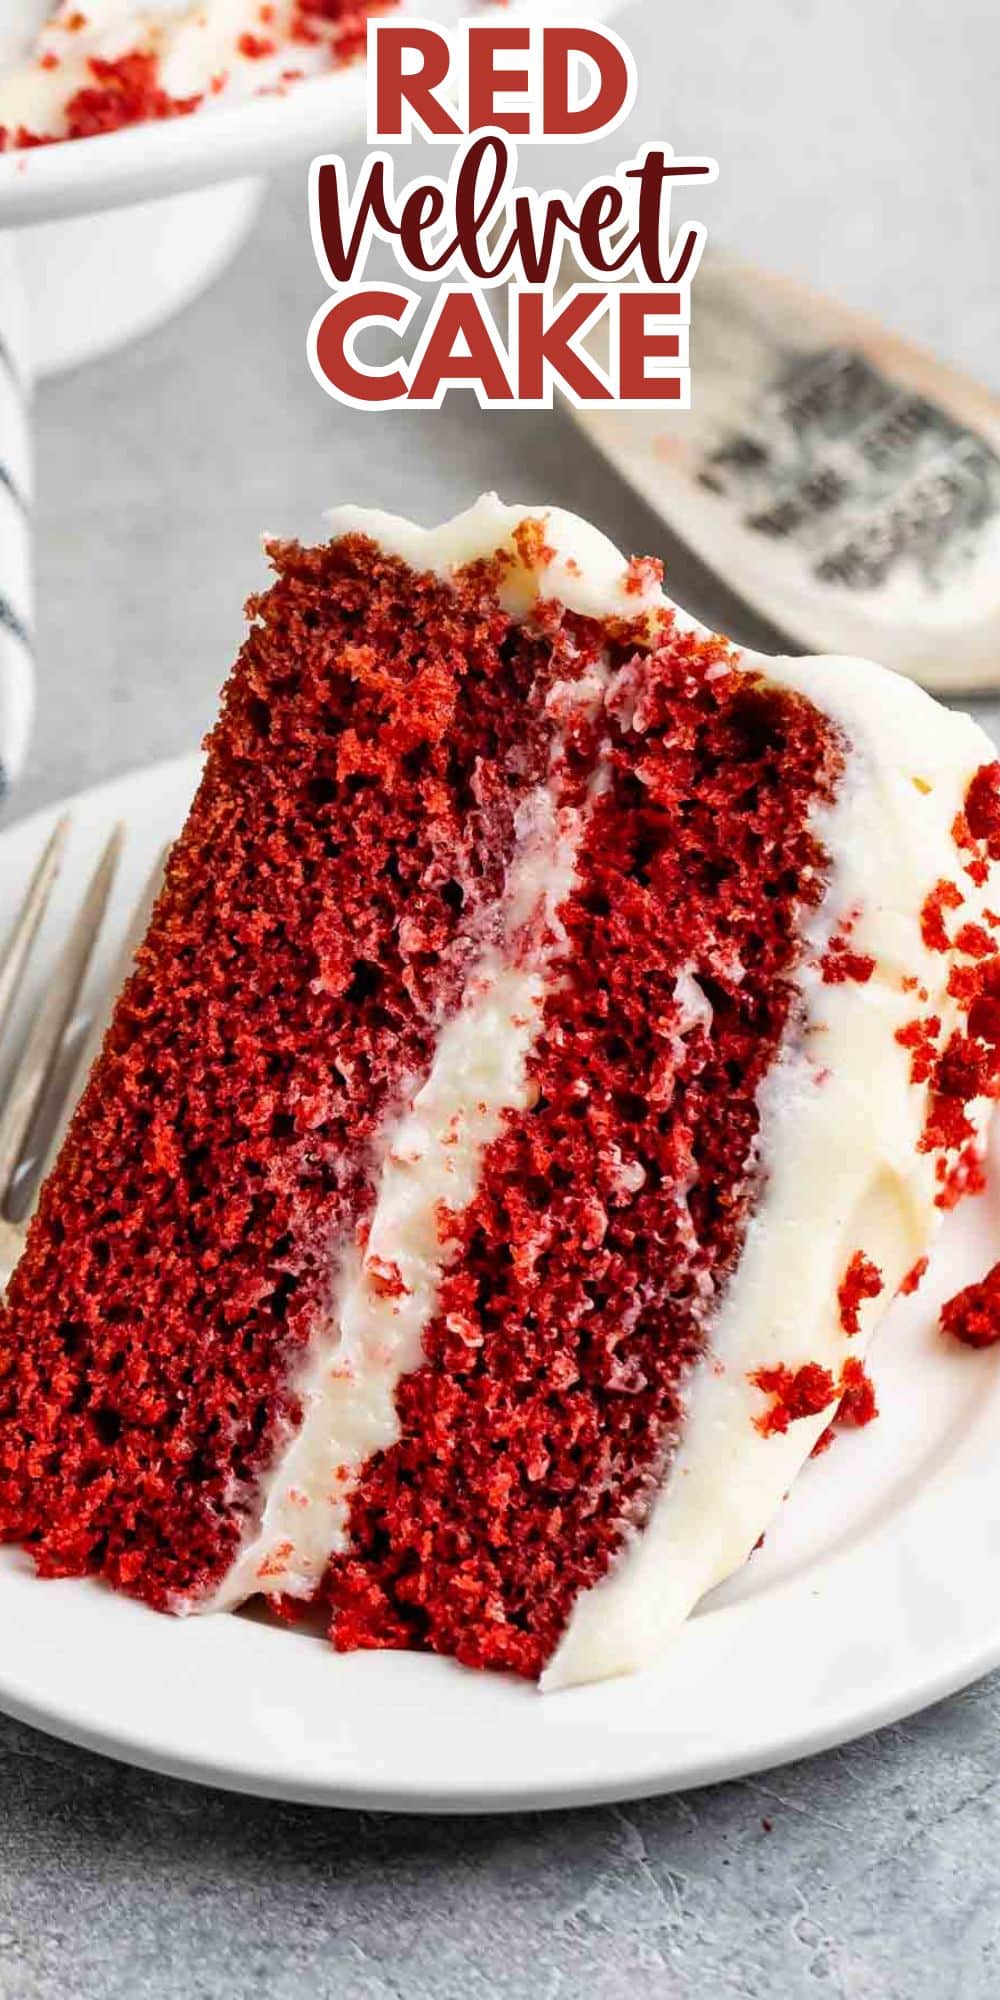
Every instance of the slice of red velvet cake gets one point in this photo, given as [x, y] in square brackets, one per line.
[557, 1040]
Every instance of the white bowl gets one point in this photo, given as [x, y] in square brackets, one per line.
[92, 285]
[225, 142]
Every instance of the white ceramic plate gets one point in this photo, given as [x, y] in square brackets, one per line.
[877, 1592]
[226, 142]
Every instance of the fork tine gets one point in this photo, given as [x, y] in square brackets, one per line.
[14, 956]
[138, 926]
[46, 1033]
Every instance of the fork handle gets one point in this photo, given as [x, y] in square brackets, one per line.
[11, 1245]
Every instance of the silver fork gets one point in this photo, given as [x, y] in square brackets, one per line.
[32, 1084]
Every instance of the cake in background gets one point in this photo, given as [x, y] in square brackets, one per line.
[72, 71]
[559, 1037]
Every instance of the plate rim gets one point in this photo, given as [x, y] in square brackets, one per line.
[457, 1802]
[629, 1765]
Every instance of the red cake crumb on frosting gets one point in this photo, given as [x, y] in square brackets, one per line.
[961, 1178]
[966, 1069]
[944, 896]
[912, 1281]
[794, 1392]
[840, 962]
[973, 1315]
[921, 1037]
[857, 1405]
[982, 809]
[256, 47]
[862, 1280]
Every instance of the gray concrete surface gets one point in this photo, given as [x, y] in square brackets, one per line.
[859, 146]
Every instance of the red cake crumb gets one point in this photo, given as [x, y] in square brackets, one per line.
[944, 896]
[857, 1405]
[535, 552]
[968, 1068]
[982, 809]
[973, 1315]
[913, 1279]
[840, 962]
[856, 1408]
[644, 574]
[862, 1280]
[795, 1393]
[824, 1441]
[386, 1278]
[961, 1178]
[965, 982]
[974, 941]
[984, 1018]
[921, 1038]
[947, 1128]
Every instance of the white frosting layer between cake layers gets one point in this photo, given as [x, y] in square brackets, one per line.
[840, 1124]
[839, 1132]
[385, 1295]
[47, 60]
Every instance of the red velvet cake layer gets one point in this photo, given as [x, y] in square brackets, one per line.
[610, 1215]
[339, 868]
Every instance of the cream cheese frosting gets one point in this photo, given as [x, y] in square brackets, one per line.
[839, 1151]
[840, 1124]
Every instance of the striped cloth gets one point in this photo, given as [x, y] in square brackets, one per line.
[17, 676]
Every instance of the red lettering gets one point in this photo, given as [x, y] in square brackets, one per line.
[458, 346]
[415, 88]
[603, 209]
[549, 346]
[344, 317]
[639, 346]
[654, 174]
[487, 82]
[560, 118]
[371, 207]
